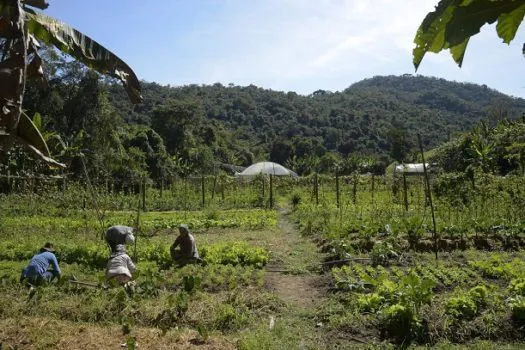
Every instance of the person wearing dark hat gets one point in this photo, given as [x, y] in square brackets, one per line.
[37, 270]
[187, 251]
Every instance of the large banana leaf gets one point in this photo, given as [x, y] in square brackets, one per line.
[453, 22]
[41, 4]
[29, 135]
[84, 49]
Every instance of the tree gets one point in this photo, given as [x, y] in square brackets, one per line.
[176, 121]
[22, 28]
[453, 22]
[398, 144]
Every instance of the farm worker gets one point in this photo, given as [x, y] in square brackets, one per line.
[37, 270]
[120, 266]
[188, 250]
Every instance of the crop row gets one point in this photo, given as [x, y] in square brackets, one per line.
[153, 221]
[409, 303]
[95, 255]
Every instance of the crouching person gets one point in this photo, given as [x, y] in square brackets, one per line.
[120, 266]
[187, 252]
[36, 272]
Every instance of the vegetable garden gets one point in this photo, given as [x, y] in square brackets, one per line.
[381, 282]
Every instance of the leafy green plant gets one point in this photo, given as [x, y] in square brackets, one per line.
[383, 252]
[295, 200]
[370, 302]
[517, 307]
[399, 322]
[467, 305]
[461, 307]
[517, 286]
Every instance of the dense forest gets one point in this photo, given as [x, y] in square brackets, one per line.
[180, 131]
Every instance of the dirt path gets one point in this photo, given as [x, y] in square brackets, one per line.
[292, 272]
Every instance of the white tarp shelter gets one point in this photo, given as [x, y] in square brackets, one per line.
[411, 168]
[268, 168]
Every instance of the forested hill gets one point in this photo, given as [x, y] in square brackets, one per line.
[191, 129]
[369, 117]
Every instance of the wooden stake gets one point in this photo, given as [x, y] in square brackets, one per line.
[337, 188]
[271, 191]
[203, 193]
[429, 194]
[405, 190]
[143, 194]
[354, 189]
[316, 188]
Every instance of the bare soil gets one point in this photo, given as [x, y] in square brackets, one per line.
[304, 290]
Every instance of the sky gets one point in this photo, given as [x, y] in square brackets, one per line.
[284, 45]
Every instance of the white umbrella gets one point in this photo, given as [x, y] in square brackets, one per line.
[269, 168]
[266, 168]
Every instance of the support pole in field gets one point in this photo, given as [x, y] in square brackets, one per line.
[271, 191]
[429, 194]
[373, 185]
[214, 186]
[137, 231]
[94, 196]
[337, 188]
[203, 191]
[405, 191]
[316, 188]
[354, 189]
[9, 186]
[262, 181]
[143, 191]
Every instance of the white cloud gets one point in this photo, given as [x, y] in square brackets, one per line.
[304, 45]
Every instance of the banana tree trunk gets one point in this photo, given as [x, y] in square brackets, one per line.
[12, 73]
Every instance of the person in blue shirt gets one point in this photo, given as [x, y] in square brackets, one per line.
[37, 270]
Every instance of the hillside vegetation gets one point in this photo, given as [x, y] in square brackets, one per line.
[180, 131]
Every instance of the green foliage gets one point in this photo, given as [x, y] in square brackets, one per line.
[517, 307]
[399, 322]
[370, 302]
[453, 22]
[467, 305]
[461, 307]
[191, 131]
[295, 199]
[517, 286]
[235, 253]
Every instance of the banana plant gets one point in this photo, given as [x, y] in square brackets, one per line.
[22, 28]
[454, 22]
